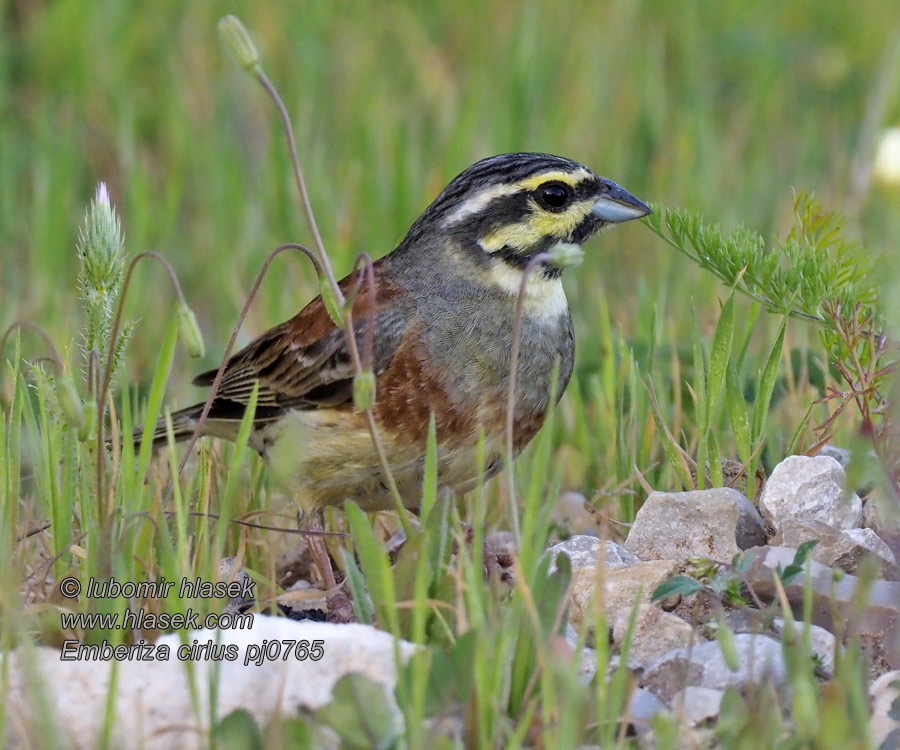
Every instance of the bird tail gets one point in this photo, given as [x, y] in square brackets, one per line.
[184, 422]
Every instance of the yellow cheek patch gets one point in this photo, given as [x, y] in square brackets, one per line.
[568, 178]
[536, 227]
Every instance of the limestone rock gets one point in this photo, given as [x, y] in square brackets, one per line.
[881, 513]
[835, 594]
[655, 633]
[810, 489]
[715, 523]
[153, 707]
[841, 548]
[841, 455]
[699, 704]
[583, 551]
[884, 691]
[622, 586]
[821, 641]
[642, 707]
[587, 657]
[704, 666]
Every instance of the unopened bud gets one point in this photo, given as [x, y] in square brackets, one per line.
[69, 401]
[239, 43]
[564, 254]
[727, 646]
[331, 304]
[90, 420]
[364, 390]
[101, 245]
[189, 331]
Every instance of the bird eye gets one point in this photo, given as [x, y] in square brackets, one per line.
[553, 195]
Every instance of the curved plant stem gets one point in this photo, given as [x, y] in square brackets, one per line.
[107, 376]
[366, 363]
[301, 184]
[511, 386]
[28, 325]
[336, 291]
[217, 381]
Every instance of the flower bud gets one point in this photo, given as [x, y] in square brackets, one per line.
[364, 390]
[728, 647]
[564, 254]
[239, 43]
[90, 420]
[100, 246]
[189, 331]
[331, 304]
[69, 401]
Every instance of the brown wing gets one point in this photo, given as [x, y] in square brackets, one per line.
[305, 363]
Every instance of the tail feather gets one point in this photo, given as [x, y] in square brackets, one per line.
[223, 421]
[184, 422]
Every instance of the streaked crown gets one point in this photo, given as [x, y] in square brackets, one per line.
[513, 206]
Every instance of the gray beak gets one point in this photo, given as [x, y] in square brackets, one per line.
[617, 205]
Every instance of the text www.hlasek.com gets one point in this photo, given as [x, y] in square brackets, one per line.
[139, 620]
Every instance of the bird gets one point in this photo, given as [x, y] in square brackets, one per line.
[443, 324]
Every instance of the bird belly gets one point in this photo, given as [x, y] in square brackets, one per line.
[326, 457]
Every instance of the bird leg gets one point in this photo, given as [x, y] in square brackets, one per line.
[339, 607]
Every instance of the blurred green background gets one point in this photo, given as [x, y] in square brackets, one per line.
[723, 107]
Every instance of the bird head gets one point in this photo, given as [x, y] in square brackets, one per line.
[511, 207]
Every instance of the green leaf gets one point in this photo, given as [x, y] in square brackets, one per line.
[436, 528]
[793, 570]
[672, 451]
[362, 607]
[235, 472]
[376, 567]
[737, 413]
[684, 585]
[767, 383]
[157, 389]
[361, 713]
[237, 731]
[715, 461]
[719, 356]
[429, 480]
[699, 368]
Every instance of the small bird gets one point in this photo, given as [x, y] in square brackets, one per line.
[443, 328]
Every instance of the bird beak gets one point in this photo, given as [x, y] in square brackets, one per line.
[617, 205]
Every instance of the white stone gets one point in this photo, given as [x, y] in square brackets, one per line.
[655, 633]
[821, 641]
[810, 489]
[699, 704]
[642, 707]
[841, 548]
[703, 665]
[153, 707]
[622, 586]
[881, 513]
[716, 523]
[884, 691]
[583, 551]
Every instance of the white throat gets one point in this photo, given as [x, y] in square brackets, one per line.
[544, 298]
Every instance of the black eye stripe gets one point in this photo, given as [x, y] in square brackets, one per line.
[553, 196]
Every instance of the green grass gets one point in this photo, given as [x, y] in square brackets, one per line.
[724, 108]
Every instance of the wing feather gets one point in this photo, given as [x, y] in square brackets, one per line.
[305, 363]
